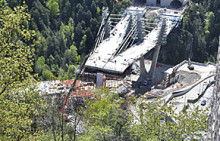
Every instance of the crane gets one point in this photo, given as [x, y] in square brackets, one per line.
[82, 66]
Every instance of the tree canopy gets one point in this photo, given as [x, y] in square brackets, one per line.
[18, 101]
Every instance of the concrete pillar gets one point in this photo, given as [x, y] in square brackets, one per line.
[154, 62]
[143, 71]
[160, 40]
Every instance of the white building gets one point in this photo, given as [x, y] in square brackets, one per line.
[167, 3]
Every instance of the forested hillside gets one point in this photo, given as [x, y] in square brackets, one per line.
[197, 37]
[66, 31]
[49, 37]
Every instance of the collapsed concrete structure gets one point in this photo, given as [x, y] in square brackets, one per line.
[126, 44]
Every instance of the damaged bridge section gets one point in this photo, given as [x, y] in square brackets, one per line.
[135, 34]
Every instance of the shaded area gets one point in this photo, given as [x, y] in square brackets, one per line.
[158, 3]
[139, 2]
[175, 4]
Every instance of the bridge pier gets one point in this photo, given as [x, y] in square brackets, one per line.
[161, 41]
[143, 71]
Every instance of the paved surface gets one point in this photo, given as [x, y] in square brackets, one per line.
[198, 94]
[104, 52]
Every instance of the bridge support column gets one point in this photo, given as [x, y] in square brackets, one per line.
[161, 41]
[151, 73]
[143, 71]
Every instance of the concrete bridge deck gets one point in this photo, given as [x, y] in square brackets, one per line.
[102, 58]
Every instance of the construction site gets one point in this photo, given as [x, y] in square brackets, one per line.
[118, 60]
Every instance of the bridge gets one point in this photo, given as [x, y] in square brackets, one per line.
[138, 31]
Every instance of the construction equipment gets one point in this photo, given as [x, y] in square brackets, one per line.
[82, 66]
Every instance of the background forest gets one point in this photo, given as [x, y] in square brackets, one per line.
[66, 31]
[197, 36]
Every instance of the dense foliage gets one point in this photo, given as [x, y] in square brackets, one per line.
[61, 31]
[110, 118]
[197, 37]
[19, 103]
[65, 30]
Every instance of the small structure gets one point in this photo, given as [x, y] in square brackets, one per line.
[81, 94]
[69, 83]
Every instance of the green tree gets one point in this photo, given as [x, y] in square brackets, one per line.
[40, 65]
[18, 100]
[47, 75]
[62, 75]
[105, 119]
[209, 22]
[71, 56]
[68, 32]
[41, 45]
[71, 71]
[82, 47]
[53, 7]
[110, 117]
[159, 121]
[40, 15]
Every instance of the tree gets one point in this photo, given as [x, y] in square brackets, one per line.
[71, 71]
[110, 117]
[47, 75]
[40, 65]
[209, 22]
[104, 118]
[53, 7]
[40, 15]
[68, 32]
[158, 121]
[82, 47]
[62, 75]
[71, 56]
[18, 100]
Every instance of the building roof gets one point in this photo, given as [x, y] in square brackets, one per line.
[70, 82]
[83, 93]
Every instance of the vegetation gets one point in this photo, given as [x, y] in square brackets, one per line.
[64, 25]
[110, 117]
[65, 31]
[49, 37]
[18, 101]
[198, 35]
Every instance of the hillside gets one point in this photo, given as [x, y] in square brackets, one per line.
[44, 40]
[66, 30]
[197, 36]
